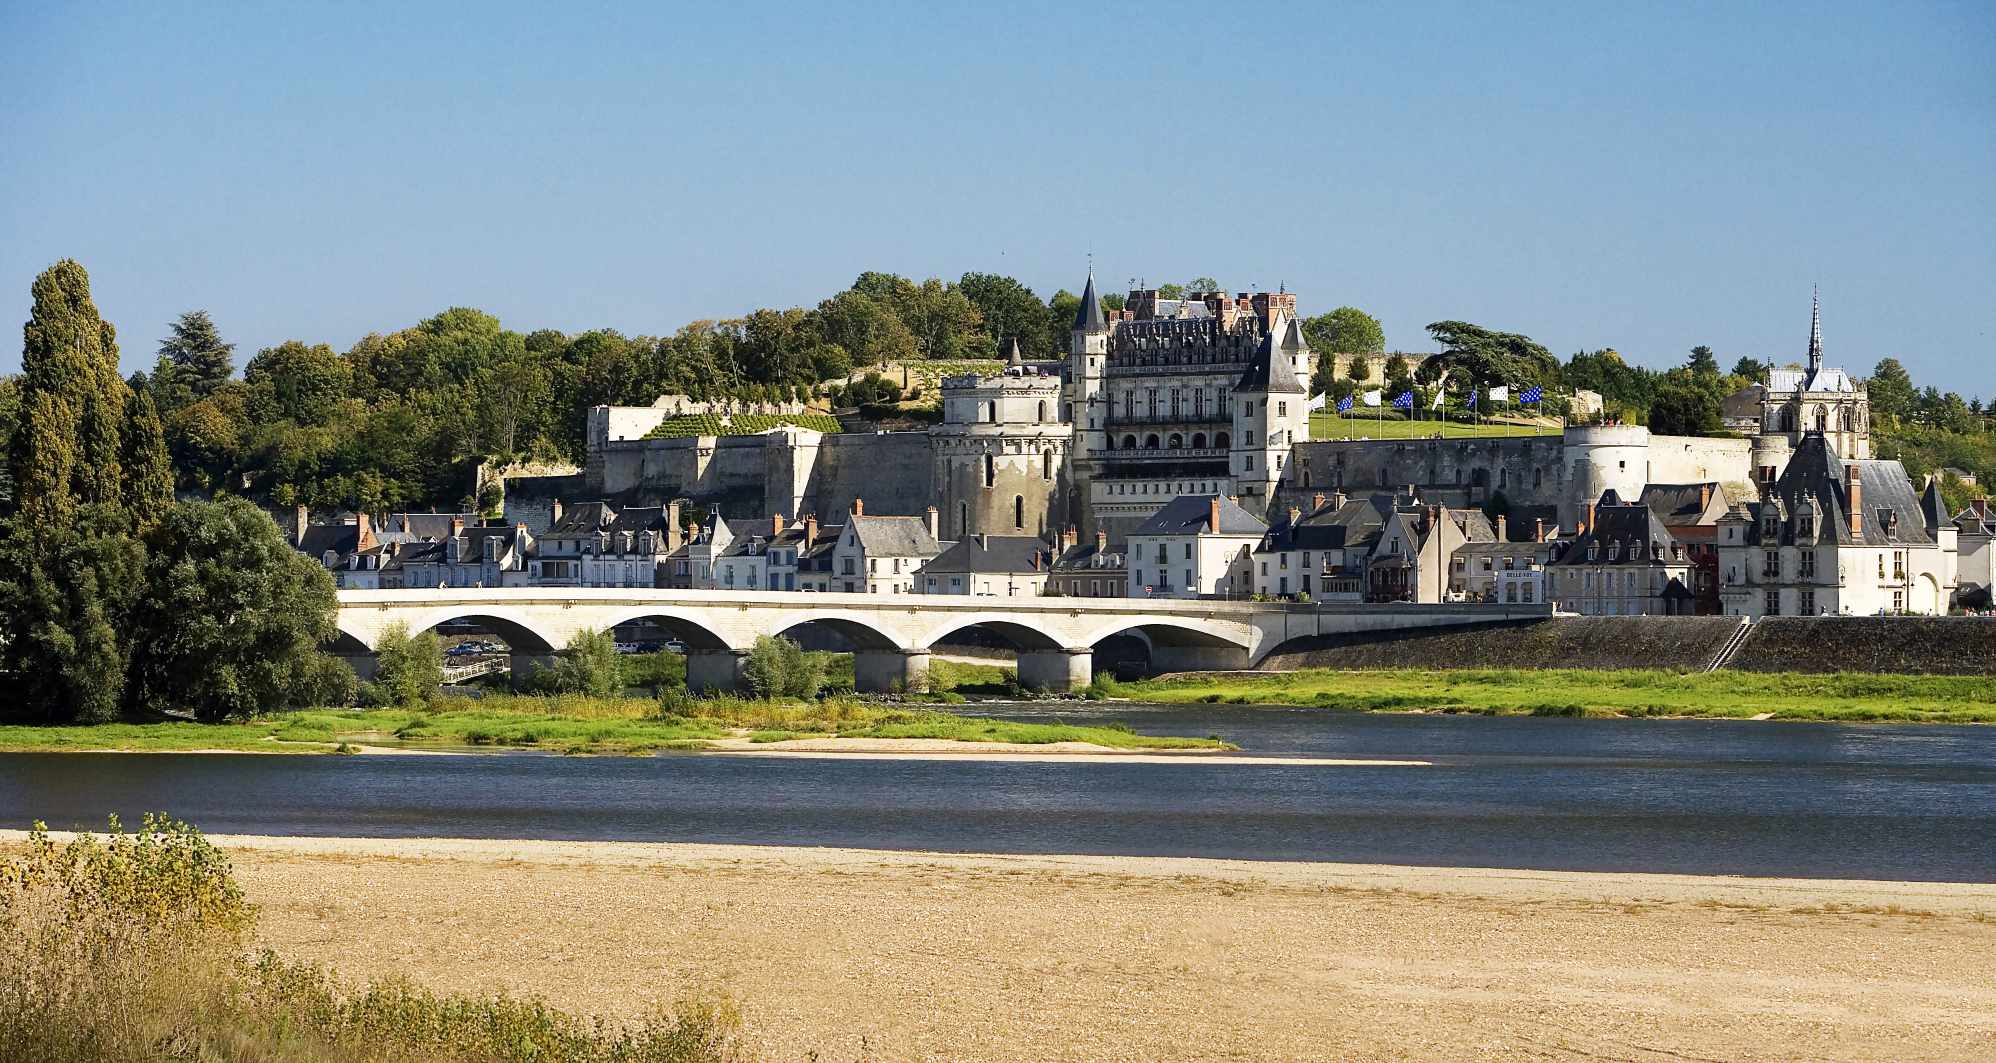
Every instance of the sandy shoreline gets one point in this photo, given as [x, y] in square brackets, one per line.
[940, 956]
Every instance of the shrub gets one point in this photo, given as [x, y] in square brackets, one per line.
[779, 668]
[408, 669]
[588, 665]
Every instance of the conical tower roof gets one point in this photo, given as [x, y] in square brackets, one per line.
[1089, 318]
[1271, 372]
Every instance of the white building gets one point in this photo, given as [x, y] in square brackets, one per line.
[1194, 546]
[880, 555]
[992, 566]
[1832, 536]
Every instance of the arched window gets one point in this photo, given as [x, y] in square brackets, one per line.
[1847, 419]
[1176, 442]
[1019, 512]
[1198, 441]
[991, 412]
[1538, 477]
[1129, 442]
[1043, 410]
[1150, 441]
[1822, 418]
[963, 518]
[1046, 464]
[1109, 442]
[1787, 419]
[990, 470]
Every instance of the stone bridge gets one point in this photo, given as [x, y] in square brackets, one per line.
[892, 637]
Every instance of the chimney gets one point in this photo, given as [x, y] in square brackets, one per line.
[935, 523]
[1853, 481]
[1316, 503]
[983, 541]
[1068, 536]
[775, 525]
[1503, 528]
[1338, 500]
[1704, 497]
[1295, 516]
[675, 536]
[1589, 526]
[1213, 514]
[302, 522]
[1101, 542]
[456, 526]
[364, 526]
[859, 507]
[1538, 529]
[810, 531]
[554, 512]
[1980, 506]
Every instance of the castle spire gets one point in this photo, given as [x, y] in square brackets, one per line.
[1089, 318]
[1815, 330]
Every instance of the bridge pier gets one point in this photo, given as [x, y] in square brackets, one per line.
[364, 665]
[714, 671]
[890, 671]
[1061, 671]
[1167, 658]
[525, 662]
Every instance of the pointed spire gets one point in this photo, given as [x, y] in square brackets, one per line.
[1292, 337]
[1012, 354]
[1815, 330]
[1089, 318]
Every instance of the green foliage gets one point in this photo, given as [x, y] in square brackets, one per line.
[1346, 330]
[66, 443]
[1890, 389]
[1010, 310]
[1687, 404]
[193, 361]
[148, 467]
[739, 424]
[588, 665]
[66, 595]
[1488, 357]
[779, 668]
[231, 617]
[408, 668]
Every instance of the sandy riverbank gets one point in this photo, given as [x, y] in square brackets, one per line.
[928, 956]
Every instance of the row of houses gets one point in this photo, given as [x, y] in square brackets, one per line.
[1827, 536]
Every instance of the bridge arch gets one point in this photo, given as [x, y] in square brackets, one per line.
[521, 634]
[1023, 636]
[1182, 644]
[862, 633]
[695, 631]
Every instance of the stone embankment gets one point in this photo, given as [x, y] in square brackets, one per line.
[1908, 645]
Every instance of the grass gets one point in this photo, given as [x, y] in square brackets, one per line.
[1335, 426]
[1853, 697]
[137, 948]
[740, 424]
[572, 724]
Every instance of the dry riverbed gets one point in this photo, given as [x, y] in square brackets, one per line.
[854, 954]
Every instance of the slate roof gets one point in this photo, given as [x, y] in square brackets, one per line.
[1272, 372]
[1679, 505]
[1088, 318]
[993, 554]
[1632, 529]
[1191, 515]
[1084, 556]
[1816, 474]
[1356, 524]
[895, 536]
[426, 525]
[341, 539]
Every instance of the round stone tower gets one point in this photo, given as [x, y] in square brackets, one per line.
[1601, 458]
[1000, 454]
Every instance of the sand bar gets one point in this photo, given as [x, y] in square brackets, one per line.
[937, 956]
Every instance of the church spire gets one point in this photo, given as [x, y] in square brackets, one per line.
[1815, 330]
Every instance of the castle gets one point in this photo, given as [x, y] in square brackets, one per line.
[1203, 395]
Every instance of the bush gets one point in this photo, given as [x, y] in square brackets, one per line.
[779, 668]
[588, 665]
[408, 669]
[133, 950]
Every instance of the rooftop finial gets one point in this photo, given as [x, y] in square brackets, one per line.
[1815, 329]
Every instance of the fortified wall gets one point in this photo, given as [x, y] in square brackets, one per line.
[788, 471]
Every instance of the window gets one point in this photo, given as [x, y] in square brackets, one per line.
[963, 518]
[1188, 551]
[1881, 566]
[1808, 571]
[991, 412]
[1808, 606]
[1043, 410]
[1160, 554]
[1898, 601]
[990, 470]
[1773, 605]
[1282, 409]
[1770, 564]
[1306, 559]
[1247, 463]
[1046, 464]
[1247, 409]
[1019, 511]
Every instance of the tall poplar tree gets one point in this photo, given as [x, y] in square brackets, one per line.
[148, 469]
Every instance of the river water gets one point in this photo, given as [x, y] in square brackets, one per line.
[1692, 796]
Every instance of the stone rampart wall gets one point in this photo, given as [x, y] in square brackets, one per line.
[813, 474]
[1924, 645]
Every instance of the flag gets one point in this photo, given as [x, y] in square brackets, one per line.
[1344, 404]
[1472, 398]
[1532, 394]
[1404, 401]
[1437, 404]
[1500, 393]
[1372, 397]
[1317, 403]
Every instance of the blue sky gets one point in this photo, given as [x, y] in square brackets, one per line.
[1648, 178]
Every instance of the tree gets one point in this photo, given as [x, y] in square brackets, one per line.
[588, 665]
[1751, 368]
[297, 382]
[779, 668]
[408, 668]
[867, 328]
[1202, 284]
[1171, 291]
[1346, 330]
[1010, 310]
[1685, 405]
[148, 468]
[1891, 389]
[1702, 362]
[231, 618]
[65, 604]
[1487, 356]
[194, 358]
[64, 450]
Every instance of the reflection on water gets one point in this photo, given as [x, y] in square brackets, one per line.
[1644, 795]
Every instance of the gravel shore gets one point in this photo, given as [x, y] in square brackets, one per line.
[858, 954]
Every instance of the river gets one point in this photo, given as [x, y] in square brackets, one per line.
[1690, 796]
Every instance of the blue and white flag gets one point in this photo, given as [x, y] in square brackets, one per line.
[1532, 394]
[1472, 398]
[1404, 400]
[1345, 404]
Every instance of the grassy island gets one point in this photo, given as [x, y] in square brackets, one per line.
[1851, 697]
